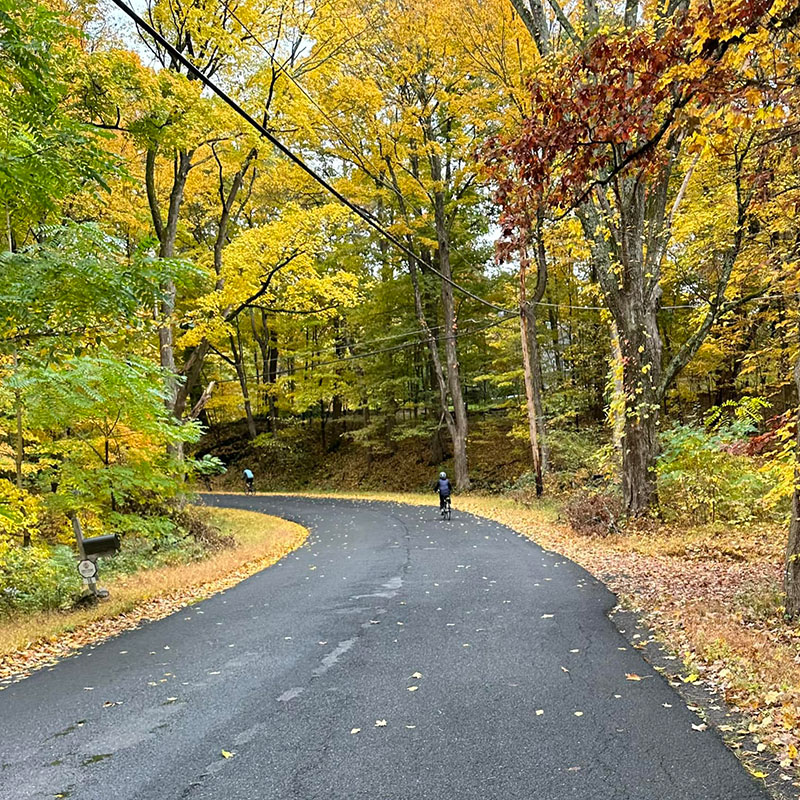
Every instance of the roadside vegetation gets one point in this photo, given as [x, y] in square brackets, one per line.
[143, 586]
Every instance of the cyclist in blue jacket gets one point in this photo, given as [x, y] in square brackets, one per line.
[248, 476]
[443, 488]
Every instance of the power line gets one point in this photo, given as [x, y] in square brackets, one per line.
[295, 159]
[404, 346]
[370, 342]
[324, 114]
[393, 349]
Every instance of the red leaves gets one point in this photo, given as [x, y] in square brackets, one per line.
[616, 104]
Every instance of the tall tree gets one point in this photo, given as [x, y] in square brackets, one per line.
[613, 136]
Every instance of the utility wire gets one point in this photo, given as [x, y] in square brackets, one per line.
[393, 349]
[295, 159]
[371, 342]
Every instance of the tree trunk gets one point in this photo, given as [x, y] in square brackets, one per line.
[538, 392]
[533, 341]
[640, 345]
[527, 334]
[633, 300]
[552, 319]
[167, 235]
[241, 374]
[19, 448]
[616, 411]
[437, 374]
[791, 578]
[272, 376]
[460, 465]
[323, 419]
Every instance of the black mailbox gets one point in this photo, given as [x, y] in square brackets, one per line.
[101, 545]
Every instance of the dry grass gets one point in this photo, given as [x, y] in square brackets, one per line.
[29, 642]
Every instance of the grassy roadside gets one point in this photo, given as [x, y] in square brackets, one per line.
[33, 641]
[711, 595]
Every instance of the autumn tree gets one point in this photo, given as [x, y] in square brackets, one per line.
[619, 120]
[405, 113]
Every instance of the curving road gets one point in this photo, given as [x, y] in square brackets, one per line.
[522, 691]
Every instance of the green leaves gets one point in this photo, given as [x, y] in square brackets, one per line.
[47, 151]
[107, 427]
[76, 284]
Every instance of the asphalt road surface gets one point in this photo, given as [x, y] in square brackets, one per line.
[472, 663]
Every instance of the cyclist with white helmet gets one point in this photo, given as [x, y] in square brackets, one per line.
[444, 489]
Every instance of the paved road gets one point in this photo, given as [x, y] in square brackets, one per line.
[522, 691]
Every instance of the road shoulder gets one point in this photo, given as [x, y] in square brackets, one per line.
[40, 640]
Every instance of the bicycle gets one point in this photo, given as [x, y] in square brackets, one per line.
[446, 509]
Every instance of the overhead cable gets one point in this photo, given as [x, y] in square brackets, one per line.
[295, 159]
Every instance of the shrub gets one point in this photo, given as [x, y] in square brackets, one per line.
[197, 525]
[699, 478]
[594, 513]
[574, 451]
[37, 578]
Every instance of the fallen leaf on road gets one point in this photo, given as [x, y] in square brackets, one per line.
[411, 727]
[380, 723]
[564, 669]
[579, 713]
[701, 727]
[226, 754]
[547, 616]
[690, 678]
[417, 675]
[356, 730]
[632, 676]
[413, 688]
[539, 712]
